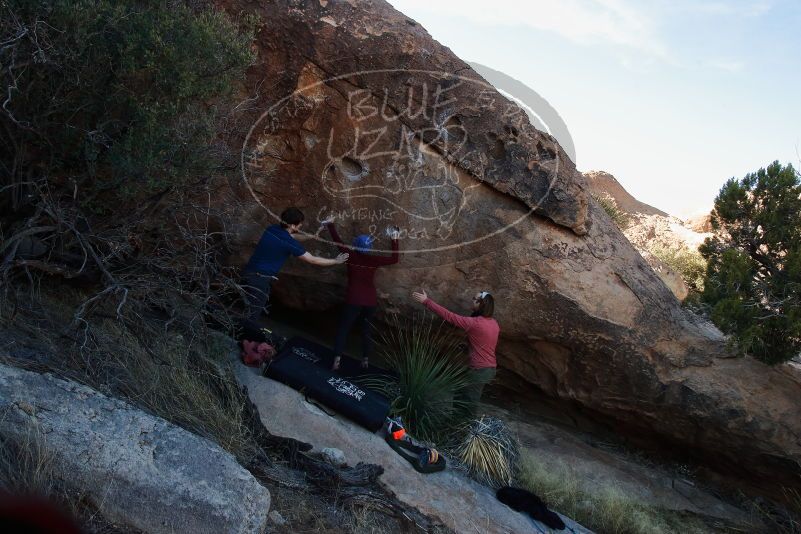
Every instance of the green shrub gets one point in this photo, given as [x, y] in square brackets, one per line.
[753, 278]
[117, 98]
[620, 217]
[689, 264]
[117, 118]
[430, 375]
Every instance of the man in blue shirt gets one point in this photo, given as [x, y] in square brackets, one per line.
[275, 246]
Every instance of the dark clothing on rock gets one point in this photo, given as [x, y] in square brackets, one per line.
[526, 502]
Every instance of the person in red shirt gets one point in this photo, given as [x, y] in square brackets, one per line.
[360, 300]
[482, 335]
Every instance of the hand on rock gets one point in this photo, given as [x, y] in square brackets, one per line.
[420, 296]
[393, 232]
[328, 220]
[342, 258]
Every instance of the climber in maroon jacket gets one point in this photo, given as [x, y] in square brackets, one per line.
[360, 299]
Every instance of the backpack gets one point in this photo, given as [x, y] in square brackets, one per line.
[423, 459]
[254, 354]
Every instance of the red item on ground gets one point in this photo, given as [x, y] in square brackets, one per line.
[361, 271]
[482, 333]
[255, 353]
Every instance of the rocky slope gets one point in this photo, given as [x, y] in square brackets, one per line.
[604, 184]
[357, 110]
[648, 228]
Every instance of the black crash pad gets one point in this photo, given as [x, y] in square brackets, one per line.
[305, 366]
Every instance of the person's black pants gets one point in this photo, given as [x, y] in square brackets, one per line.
[257, 292]
[363, 316]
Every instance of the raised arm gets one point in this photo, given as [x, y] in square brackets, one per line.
[335, 236]
[387, 260]
[455, 319]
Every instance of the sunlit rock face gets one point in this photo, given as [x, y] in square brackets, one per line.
[357, 111]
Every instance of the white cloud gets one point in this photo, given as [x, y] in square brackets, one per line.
[614, 22]
[748, 8]
[728, 65]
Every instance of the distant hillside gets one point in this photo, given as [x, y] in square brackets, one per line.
[604, 184]
[652, 231]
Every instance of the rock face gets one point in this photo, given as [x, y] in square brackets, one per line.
[358, 111]
[700, 223]
[139, 470]
[460, 503]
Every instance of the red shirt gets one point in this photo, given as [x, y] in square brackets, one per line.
[482, 333]
[361, 271]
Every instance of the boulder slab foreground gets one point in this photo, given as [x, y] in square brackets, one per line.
[457, 501]
[137, 469]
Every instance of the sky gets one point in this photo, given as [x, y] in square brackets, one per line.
[673, 97]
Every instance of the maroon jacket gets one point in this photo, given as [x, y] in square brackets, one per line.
[361, 271]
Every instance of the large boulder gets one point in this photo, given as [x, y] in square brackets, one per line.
[357, 110]
[139, 470]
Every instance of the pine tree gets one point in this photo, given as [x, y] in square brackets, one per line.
[753, 277]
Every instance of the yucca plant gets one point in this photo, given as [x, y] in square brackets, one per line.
[489, 451]
[430, 372]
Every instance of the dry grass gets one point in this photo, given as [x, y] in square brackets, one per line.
[185, 382]
[606, 511]
[780, 519]
[27, 469]
[794, 503]
[177, 373]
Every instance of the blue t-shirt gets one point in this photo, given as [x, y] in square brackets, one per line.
[275, 246]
